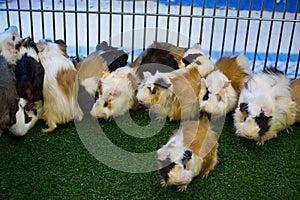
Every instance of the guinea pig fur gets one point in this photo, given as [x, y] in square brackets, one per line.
[29, 71]
[8, 40]
[192, 150]
[171, 94]
[9, 95]
[115, 94]
[220, 89]
[295, 92]
[26, 117]
[60, 87]
[159, 56]
[265, 106]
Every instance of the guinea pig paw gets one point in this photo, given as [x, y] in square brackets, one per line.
[205, 175]
[260, 142]
[182, 188]
[288, 129]
[48, 130]
[163, 183]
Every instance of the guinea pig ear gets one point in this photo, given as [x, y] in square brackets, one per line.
[115, 93]
[147, 75]
[203, 82]
[133, 81]
[267, 111]
[161, 83]
[227, 83]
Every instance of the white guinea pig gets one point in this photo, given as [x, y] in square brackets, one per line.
[265, 106]
[220, 89]
[26, 117]
[191, 151]
[173, 94]
[115, 94]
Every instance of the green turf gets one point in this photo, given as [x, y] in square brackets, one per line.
[58, 166]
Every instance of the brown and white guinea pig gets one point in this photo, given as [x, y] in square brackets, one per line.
[265, 106]
[9, 95]
[26, 116]
[173, 94]
[8, 40]
[60, 87]
[295, 92]
[116, 94]
[191, 151]
[102, 61]
[220, 89]
[159, 56]
[29, 71]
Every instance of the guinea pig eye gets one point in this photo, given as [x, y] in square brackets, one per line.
[105, 104]
[219, 98]
[153, 91]
[13, 38]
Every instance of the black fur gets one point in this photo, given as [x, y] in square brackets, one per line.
[191, 58]
[263, 123]
[244, 107]
[27, 118]
[30, 76]
[27, 43]
[161, 83]
[187, 155]
[205, 98]
[168, 166]
[272, 70]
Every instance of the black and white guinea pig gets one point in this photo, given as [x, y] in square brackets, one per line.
[265, 106]
[220, 89]
[8, 40]
[60, 87]
[192, 150]
[9, 95]
[295, 92]
[29, 71]
[25, 117]
[159, 56]
[173, 94]
[115, 94]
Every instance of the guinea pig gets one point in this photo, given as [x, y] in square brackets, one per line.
[220, 89]
[8, 40]
[115, 94]
[29, 71]
[295, 92]
[265, 106]
[192, 150]
[173, 94]
[26, 117]
[9, 95]
[60, 87]
[159, 56]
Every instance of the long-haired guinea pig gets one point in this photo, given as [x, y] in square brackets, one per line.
[26, 116]
[9, 95]
[220, 89]
[29, 71]
[115, 94]
[60, 87]
[265, 106]
[101, 62]
[191, 151]
[173, 94]
[8, 40]
[159, 56]
[295, 92]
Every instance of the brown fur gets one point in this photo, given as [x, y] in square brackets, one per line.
[295, 92]
[63, 47]
[186, 87]
[230, 67]
[65, 79]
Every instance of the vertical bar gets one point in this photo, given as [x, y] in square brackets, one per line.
[191, 24]
[258, 34]
[291, 38]
[122, 22]
[99, 21]
[179, 23]
[236, 26]
[248, 25]
[76, 28]
[202, 22]
[42, 18]
[225, 27]
[7, 14]
[270, 33]
[64, 21]
[31, 19]
[133, 27]
[145, 25]
[156, 19]
[110, 22]
[297, 66]
[212, 27]
[168, 22]
[280, 35]
[20, 18]
[87, 28]
[53, 22]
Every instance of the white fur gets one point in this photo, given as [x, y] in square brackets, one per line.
[90, 85]
[20, 128]
[58, 108]
[269, 94]
[117, 89]
[7, 44]
[222, 97]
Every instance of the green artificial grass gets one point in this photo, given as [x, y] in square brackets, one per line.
[58, 166]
